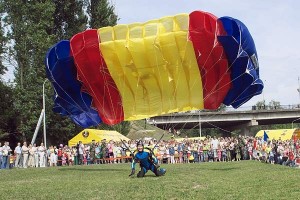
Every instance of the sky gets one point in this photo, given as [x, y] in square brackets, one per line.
[273, 24]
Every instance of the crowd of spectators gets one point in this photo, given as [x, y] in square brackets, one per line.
[222, 149]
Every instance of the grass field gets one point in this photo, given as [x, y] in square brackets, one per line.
[234, 180]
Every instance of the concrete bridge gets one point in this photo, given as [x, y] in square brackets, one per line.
[228, 120]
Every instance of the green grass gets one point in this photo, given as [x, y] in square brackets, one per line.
[234, 180]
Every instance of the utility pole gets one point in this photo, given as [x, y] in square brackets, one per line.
[44, 117]
[200, 134]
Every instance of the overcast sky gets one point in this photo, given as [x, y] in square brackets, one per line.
[274, 25]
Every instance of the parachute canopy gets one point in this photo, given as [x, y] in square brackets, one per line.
[177, 63]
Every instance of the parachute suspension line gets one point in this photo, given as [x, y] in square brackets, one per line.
[212, 67]
[219, 128]
[110, 99]
[74, 102]
[208, 96]
[246, 96]
[190, 117]
[158, 69]
[234, 80]
[221, 79]
[228, 68]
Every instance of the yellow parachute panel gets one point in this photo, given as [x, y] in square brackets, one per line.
[153, 66]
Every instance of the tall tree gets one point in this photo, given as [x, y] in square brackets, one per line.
[7, 119]
[101, 13]
[27, 23]
[33, 28]
[69, 18]
[3, 68]
[260, 105]
[274, 105]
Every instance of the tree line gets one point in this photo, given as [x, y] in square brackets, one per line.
[28, 30]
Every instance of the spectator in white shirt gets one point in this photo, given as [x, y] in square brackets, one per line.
[18, 154]
[80, 152]
[42, 151]
[25, 152]
[215, 145]
[36, 155]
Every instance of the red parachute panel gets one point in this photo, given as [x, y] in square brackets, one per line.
[211, 58]
[93, 72]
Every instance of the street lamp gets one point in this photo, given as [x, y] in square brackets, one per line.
[294, 121]
[44, 107]
[298, 89]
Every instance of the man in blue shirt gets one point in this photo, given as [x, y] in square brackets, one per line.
[5, 155]
[147, 162]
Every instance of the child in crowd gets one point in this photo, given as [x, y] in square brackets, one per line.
[228, 154]
[238, 153]
[264, 156]
[176, 154]
[224, 155]
[297, 161]
[210, 155]
[63, 160]
[250, 151]
[271, 156]
[200, 152]
[159, 157]
[172, 154]
[11, 162]
[219, 151]
[71, 158]
[119, 154]
[181, 157]
[85, 159]
[191, 158]
[255, 154]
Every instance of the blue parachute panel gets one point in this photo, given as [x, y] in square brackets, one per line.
[69, 100]
[242, 58]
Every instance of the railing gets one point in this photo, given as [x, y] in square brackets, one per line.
[265, 107]
[249, 108]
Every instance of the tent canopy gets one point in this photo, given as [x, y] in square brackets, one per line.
[280, 134]
[87, 135]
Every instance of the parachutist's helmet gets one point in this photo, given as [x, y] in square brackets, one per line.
[140, 145]
[140, 142]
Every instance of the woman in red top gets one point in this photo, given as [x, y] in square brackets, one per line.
[291, 159]
[254, 143]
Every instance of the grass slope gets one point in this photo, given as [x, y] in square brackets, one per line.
[140, 130]
[235, 180]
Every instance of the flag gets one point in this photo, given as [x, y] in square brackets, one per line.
[265, 136]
